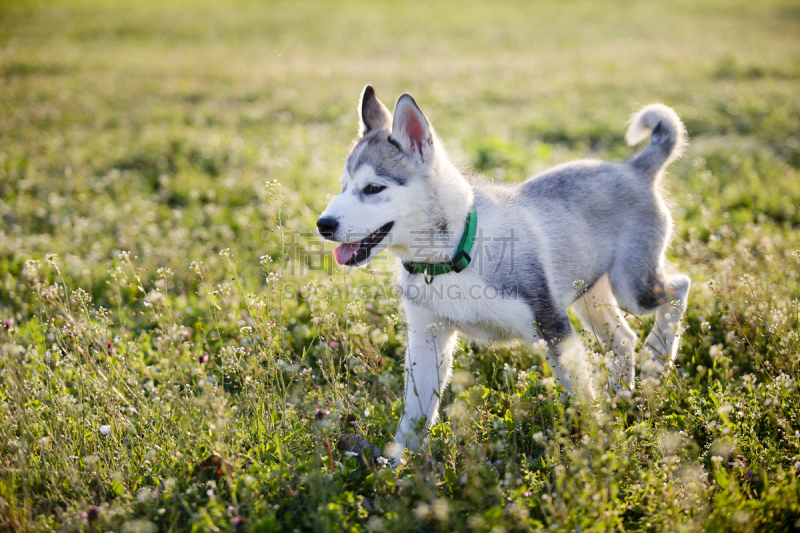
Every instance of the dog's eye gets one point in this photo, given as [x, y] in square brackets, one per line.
[373, 189]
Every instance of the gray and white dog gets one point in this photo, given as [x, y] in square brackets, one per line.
[590, 234]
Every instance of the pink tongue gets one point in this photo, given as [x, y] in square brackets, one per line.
[345, 251]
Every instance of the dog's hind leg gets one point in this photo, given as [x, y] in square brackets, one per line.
[665, 338]
[569, 362]
[601, 316]
[667, 296]
[566, 355]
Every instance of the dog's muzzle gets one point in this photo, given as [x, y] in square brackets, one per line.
[327, 226]
[357, 253]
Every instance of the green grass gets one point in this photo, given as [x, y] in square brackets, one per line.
[174, 157]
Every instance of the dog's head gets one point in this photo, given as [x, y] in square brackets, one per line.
[389, 194]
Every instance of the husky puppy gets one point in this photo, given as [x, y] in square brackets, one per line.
[502, 263]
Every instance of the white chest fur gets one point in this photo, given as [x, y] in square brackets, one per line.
[482, 312]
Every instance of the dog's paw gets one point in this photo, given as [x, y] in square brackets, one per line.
[395, 452]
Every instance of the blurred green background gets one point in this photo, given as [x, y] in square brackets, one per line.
[183, 101]
[197, 136]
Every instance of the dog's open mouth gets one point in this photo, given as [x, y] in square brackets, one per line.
[353, 253]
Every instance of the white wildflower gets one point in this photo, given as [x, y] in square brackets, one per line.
[423, 511]
[441, 510]
[155, 298]
[725, 409]
[144, 495]
[31, 269]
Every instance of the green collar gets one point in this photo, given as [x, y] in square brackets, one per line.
[460, 260]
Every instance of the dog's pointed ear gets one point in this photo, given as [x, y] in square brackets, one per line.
[411, 131]
[372, 114]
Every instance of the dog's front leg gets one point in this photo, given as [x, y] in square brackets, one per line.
[429, 364]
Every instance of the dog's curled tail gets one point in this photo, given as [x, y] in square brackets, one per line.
[667, 138]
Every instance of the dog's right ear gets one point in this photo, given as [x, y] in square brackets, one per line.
[411, 131]
[372, 114]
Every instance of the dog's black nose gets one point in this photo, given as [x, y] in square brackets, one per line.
[327, 226]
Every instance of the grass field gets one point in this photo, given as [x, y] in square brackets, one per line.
[180, 353]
